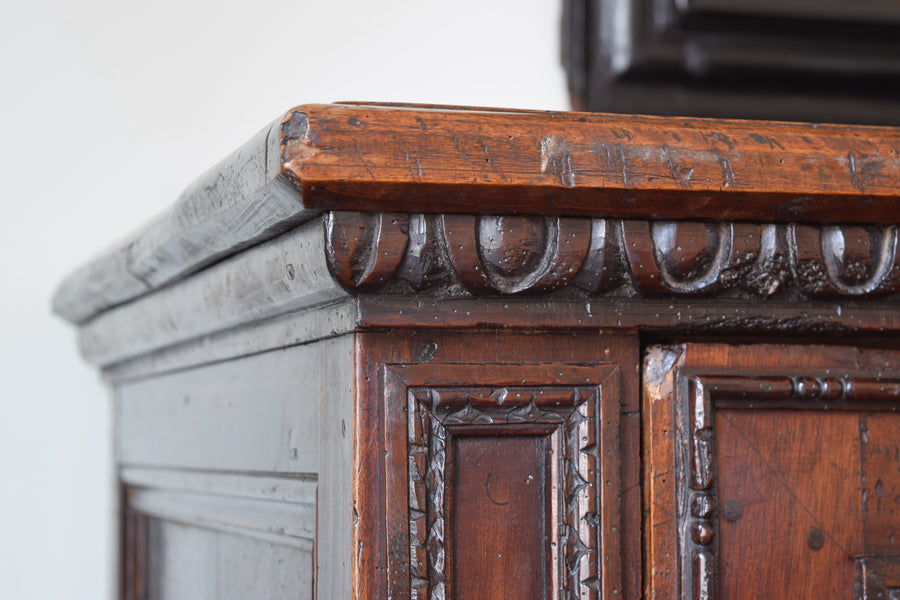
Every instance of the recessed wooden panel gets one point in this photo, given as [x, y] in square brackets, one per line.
[258, 413]
[423, 391]
[502, 490]
[788, 503]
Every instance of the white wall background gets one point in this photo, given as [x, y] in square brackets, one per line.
[109, 108]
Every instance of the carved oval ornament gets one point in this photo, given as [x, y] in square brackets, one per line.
[507, 255]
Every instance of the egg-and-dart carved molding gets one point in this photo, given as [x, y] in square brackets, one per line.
[450, 254]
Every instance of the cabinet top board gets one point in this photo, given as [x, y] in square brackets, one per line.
[410, 158]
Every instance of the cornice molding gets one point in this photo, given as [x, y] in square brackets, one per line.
[460, 160]
[471, 255]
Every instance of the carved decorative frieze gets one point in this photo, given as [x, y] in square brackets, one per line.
[453, 254]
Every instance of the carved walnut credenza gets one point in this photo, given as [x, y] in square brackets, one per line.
[438, 353]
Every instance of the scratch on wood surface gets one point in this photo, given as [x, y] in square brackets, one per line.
[771, 142]
[488, 159]
[863, 169]
[556, 158]
[720, 137]
[680, 174]
[855, 179]
[620, 153]
[414, 166]
[459, 147]
[727, 171]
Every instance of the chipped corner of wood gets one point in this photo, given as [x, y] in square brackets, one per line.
[295, 144]
[658, 365]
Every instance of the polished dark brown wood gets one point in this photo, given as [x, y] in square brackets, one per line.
[510, 498]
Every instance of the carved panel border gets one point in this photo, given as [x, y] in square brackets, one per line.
[685, 419]
[803, 390]
[561, 401]
[590, 257]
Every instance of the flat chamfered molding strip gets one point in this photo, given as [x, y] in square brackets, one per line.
[240, 202]
[429, 159]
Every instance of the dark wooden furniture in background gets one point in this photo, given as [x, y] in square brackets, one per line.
[438, 353]
[834, 61]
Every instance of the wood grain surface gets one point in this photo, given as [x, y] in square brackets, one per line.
[488, 161]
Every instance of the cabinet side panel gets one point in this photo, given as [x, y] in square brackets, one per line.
[334, 528]
[258, 413]
[191, 562]
[238, 472]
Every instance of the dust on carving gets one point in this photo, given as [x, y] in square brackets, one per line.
[812, 277]
[556, 158]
